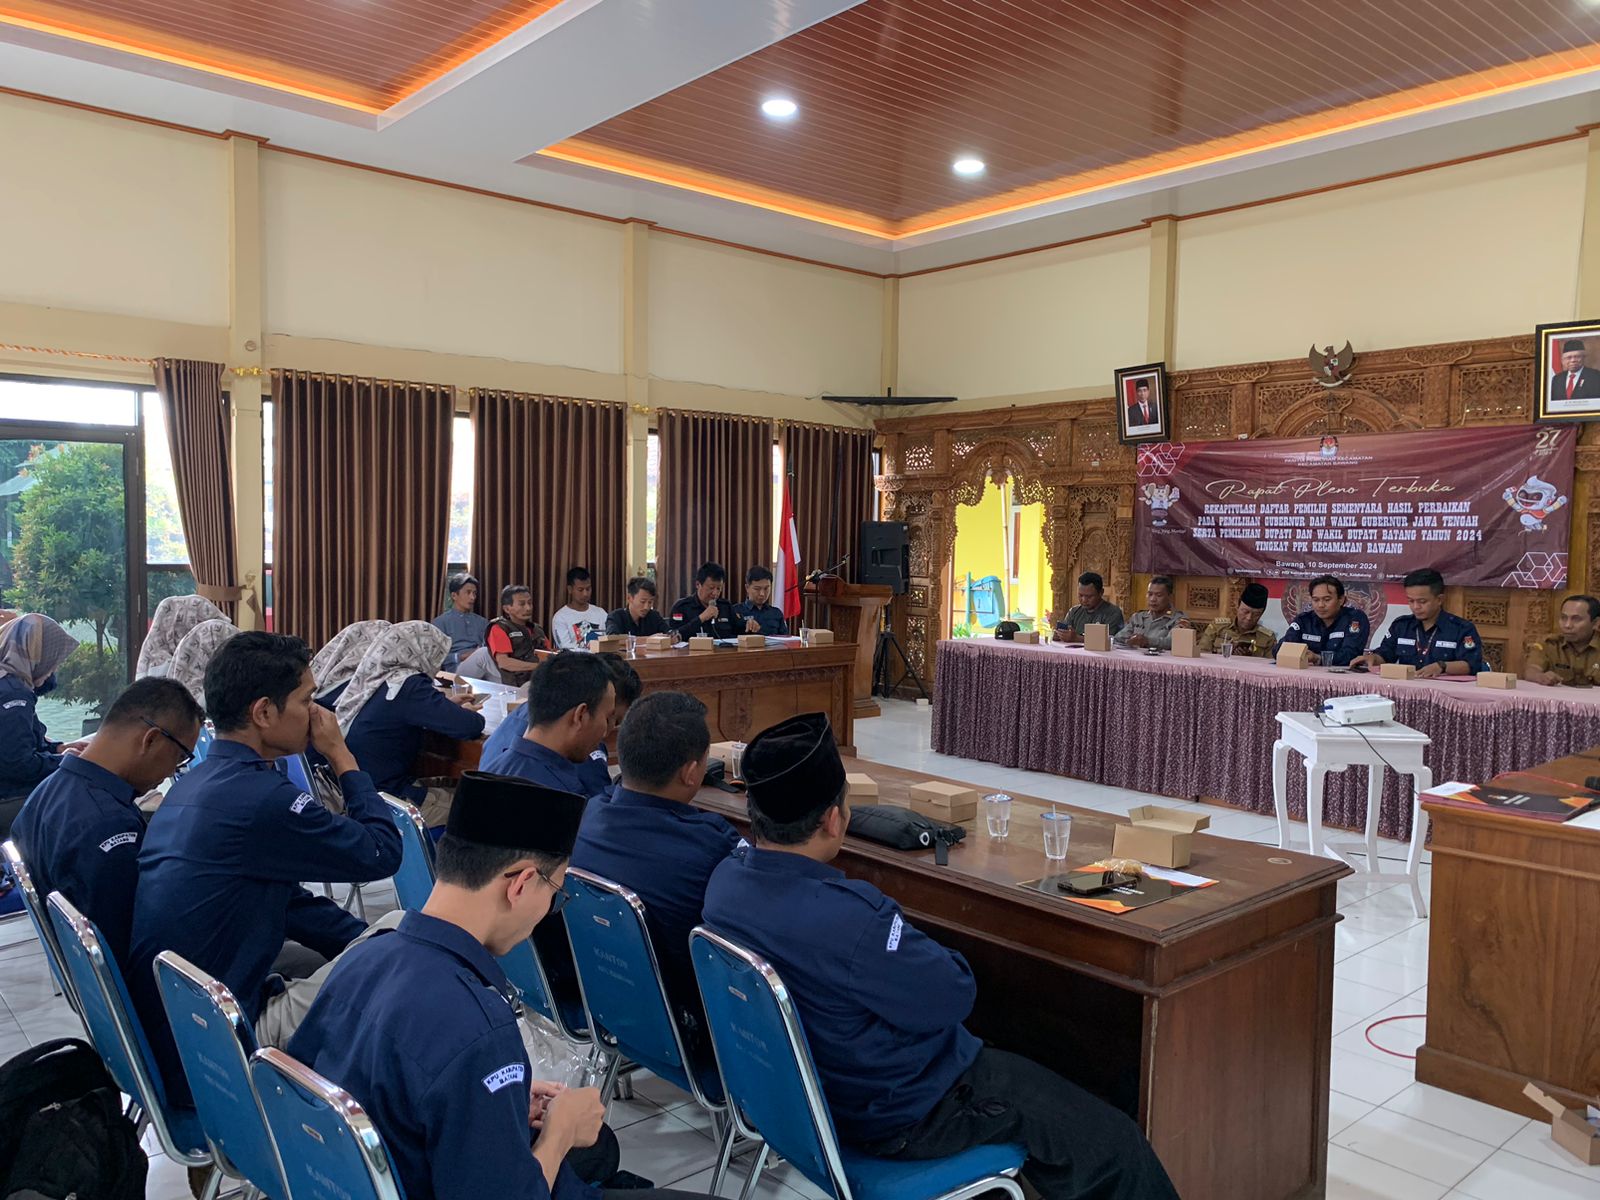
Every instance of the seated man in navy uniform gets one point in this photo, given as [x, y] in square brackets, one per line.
[221, 864]
[1335, 633]
[570, 699]
[756, 612]
[420, 1025]
[648, 836]
[81, 830]
[705, 610]
[1432, 640]
[882, 1003]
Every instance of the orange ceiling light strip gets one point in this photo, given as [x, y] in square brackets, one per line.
[1430, 97]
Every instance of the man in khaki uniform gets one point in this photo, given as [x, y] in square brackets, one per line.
[1573, 658]
[1243, 631]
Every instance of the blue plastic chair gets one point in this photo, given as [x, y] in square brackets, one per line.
[40, 920]
[329, 1146]
[625, 1000]
[202, 747]
[119, 1038]
[772, 1083]
[298, 769]
[215, 1042]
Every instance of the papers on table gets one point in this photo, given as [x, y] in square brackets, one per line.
[1181, 878]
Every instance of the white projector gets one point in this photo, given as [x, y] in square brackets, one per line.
[1357, 710]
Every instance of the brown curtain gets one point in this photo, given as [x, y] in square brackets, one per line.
[715, 499]
[200, 434]
[830, 485]
[550, 492]
[362, 489]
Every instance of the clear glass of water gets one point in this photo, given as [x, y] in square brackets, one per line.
[1057, 834]
[736, 763]
[997, 812]
[1227, 649]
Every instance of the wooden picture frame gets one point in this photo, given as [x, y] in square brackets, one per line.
[1566, 381]
[1141, 399]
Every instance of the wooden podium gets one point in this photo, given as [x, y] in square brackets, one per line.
[855, 612]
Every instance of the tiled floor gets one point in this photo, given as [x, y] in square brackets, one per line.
[1388, 1136]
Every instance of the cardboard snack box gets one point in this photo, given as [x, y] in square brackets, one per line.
[861, 787]
[1569, 1127]
[1504, 680]
[954, 802]
[616, 643]
[1295, 656]
[752, 641]
[701, 643]
[656, 641]
[1162, 837]
[818, 637]
[1397, 671]
[1097, 637]
[1028, 637]
[1183, 644]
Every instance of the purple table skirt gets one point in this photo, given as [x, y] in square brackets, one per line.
[1192, 728]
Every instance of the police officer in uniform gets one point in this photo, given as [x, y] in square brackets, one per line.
[883, 1004]
[81, 830]
[704, 610]
[1432, 640]
[420, 1024]
[1243, 631]
[1571, 659]
[1335, 633]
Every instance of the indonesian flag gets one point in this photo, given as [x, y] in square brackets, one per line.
[786, 578]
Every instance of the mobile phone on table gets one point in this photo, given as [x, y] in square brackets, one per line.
[1089, 883]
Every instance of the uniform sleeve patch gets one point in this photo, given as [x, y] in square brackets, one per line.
[14, 704]
[1469, 643]
[121, 839]
[300, 803]
[505, 1076]
[599, 755]
[895, 929]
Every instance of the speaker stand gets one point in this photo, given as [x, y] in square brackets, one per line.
[881, 668]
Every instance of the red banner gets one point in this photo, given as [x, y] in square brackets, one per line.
[1485, 507]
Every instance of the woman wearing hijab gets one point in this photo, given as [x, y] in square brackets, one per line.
[336, 662]
[392, 699]
[194, 654]
[31, 648]
[175, 616]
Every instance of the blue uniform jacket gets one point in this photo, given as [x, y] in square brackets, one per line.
[1452, 639]
[417, 1026]
[506, 735]
[26, 754]
[881, 1003]
[596, 772]
[386, 735]
[769, 616]
[79, 833]
[529, 760]
[1337, 644]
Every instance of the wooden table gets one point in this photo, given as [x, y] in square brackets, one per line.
[1207, 1016]
[1514, 950]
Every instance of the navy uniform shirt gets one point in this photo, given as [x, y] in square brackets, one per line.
[527, 759]
[882, 1004]
[417, 1026]
[768, 616]
[386, 735]
[686, 621]
[506, 735]
[1338, 644]
[79, 833]
[596, 772]
[620, 620]
[331, 700]
[1452, 639]
[26, 754]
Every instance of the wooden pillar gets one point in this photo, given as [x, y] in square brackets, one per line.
[247, 383]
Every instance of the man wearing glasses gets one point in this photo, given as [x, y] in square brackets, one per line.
[81, 829]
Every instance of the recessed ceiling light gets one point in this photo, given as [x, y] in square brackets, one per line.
[967, 166]
[780, 108]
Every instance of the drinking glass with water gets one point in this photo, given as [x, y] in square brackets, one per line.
[1057, 834]
[997, 811]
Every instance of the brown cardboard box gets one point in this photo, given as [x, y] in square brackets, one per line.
[1397, 671]
[1183, 644]
[752, 641]
[700, 642]
[722, 752]
[656, 641]
[1028, 637]
[944, 801]
[861, 787]
[1296, 656]
[1162, 837]
[1097, 637]
[1503, 680]
[1569, 1127]
[615, 643]
[819, 637]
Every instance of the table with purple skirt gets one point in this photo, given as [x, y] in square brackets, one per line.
[1203, 728]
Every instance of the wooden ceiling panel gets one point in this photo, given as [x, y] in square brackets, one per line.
[1058, 96]
[355, 53]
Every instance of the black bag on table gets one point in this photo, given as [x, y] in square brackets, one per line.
[902, 829]
[62, 1129]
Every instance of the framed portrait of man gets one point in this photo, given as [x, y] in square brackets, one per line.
[1567, 384]
[1142, 403]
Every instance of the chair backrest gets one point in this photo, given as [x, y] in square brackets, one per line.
[329, 1146]
[414, 880]
[113, 1028]
[479, 664]
[527, 974]
[620, 978]
[42, 927]
[299, 772]
[214, 1044]
[202, 747]
[766, 1066]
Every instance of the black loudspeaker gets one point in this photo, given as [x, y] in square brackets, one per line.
[885, 554]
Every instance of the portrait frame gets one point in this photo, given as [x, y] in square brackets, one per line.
[1550, 403]
[1127, 381]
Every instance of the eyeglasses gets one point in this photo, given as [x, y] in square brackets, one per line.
[188, 754]
[561, 897]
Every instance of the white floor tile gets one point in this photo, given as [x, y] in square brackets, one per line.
[1459, 1114]
[1413, 1146]
[1410, 947]
[1508, 1176]
[1394, 1042]
[1361, 999]
[1344, 1111]
[1402, 977]
[664, 1149]
[1367, 1079]
[623, 1113]
[1354, 1177]
[1533, 1141]
[658, 1091]
[770, 1188]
